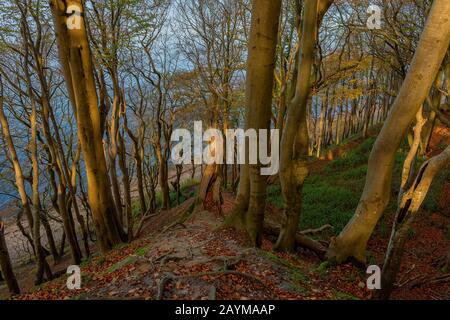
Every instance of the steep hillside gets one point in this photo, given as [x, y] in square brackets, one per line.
[183, 256]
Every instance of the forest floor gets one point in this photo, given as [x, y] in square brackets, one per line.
[199, 259]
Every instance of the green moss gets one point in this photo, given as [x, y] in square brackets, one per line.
[325, 203]
[101, 261]
[81, 296]
[135, 209]
[85, 262]
[296, 275]
[142, 251]
[274, 196]
[125, 262]
[354, 157]
[339, 295]
[411, 233]
[299, 288]
[272, 256]
[120, 246]
[323, 267]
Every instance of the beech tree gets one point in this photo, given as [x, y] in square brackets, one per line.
[262, 45]
[432, 47]
[294, 141]
[407, 212]
[76, 61]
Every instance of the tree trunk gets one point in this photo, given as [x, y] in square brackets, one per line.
[5, 264]
[434, 102]
[259, 88]
[73, 188]
[40, 257]
[113, 150]
[447, 263]
[405, 216]
[323, 110]
[434, 42]
[294, 142]
[126, 187]
[76, 63]
[50, 238]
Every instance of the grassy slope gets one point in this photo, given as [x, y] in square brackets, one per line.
[331, 195]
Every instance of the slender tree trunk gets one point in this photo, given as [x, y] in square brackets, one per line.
[447, 263]
[50, 238]
[259, 88]
[140, 178]
[163, 177]
[113, 150]
[18, 173]
[126, 187]
[5, 264]
[434, 102]
[323, 111]
[73, 185]
[40, 257]
[294, 142]
[405, 216]
[77, 67]
[138, 153]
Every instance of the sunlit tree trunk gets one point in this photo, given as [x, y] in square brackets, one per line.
[77, 67]
[323, 111]
[18, 173]
[259, 88]
[434, 102]
[434, 42]
[39, 252]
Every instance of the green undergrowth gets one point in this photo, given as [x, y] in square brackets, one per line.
[331, 195]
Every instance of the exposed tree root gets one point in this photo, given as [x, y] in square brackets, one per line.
[301, 240]
[168, 258]
[316, 231]
[180, 221]
[144, 219]
[431, 280]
